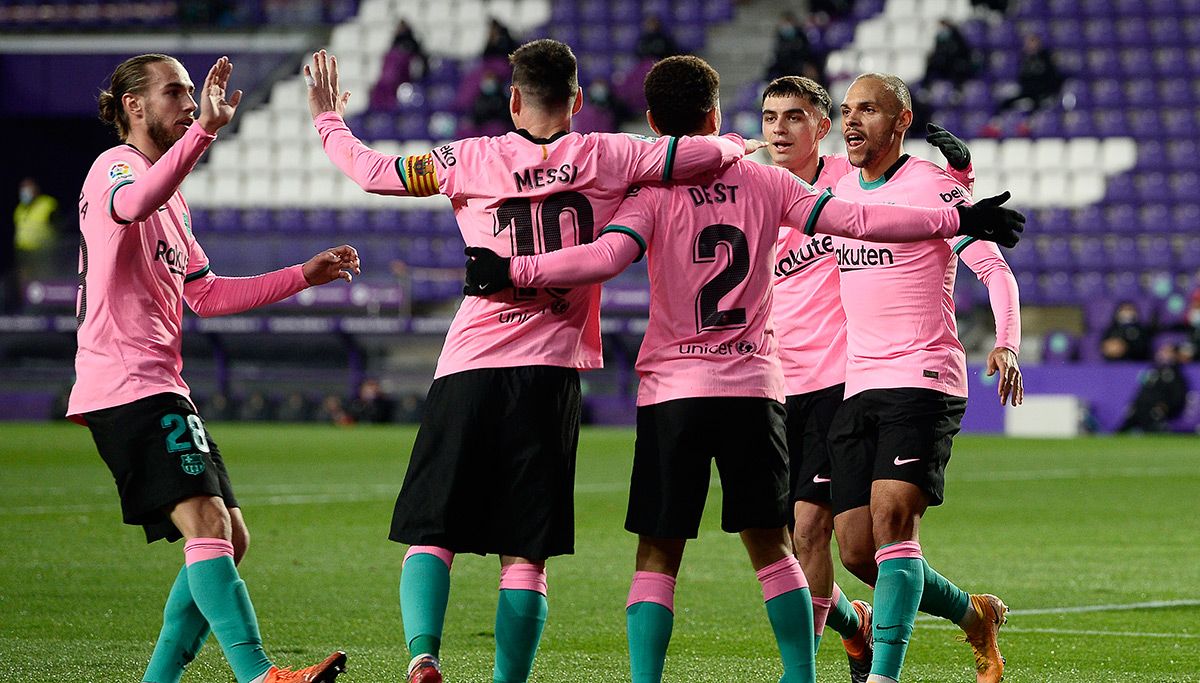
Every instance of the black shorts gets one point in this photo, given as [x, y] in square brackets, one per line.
[493, 467]
[897, 434]
[159, 453]
[808, 419]
[677, 441]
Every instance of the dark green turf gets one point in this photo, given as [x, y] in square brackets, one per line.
[1044, 524]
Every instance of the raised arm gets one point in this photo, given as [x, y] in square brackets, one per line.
[958, 155]
[682, 158]
[135, 199]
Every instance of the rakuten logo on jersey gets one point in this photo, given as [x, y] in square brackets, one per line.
[796, 260]
[851, 258]
[176, 258]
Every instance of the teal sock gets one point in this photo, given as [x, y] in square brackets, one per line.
[424, 593]
[843, 618]
[184, 631]
[897, 594]
[520, 618]
[791, 619]
[223, 600]
[942, 598]
[648, 627]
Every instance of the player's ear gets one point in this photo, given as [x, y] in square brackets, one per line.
[823, 128]
[132, 103]
[578, 103]
[514, 101]
[653, 126]
[904, 120]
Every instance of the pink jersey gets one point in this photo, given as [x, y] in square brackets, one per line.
[808, 308]
[519, 195]
[135, 275]
[901, 329]
[710, 249]
[130, 303]
[809, 320]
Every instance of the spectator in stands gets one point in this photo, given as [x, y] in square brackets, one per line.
[35, 233]
[1000, 6]
[793, 52]
[1161, 395]
[500, 41]
[952, 58]
[405, 42]
[294, 408]
[332, 411]
[256, 408]
[371, 404]
[1038, 80]
[824, 11]
[489, 110]
[1127, 337]
[655, 43]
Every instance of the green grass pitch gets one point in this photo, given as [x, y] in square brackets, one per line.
[1092, 542]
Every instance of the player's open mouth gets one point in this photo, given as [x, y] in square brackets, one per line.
[781, 147]
[186, 123]
[854, 140]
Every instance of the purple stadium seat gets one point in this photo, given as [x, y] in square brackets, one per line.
[385, 220]
[1183, 154]
[1126, 286]
[1140, 91]
[201, 220]
[657, 8]
[1176, 92]
[690, 37]
[226, 219]
[1070, 61]
[1054, 221]
[1060, 347]
[1106, 92]
[566, 33]
[1102, 62]
[1089, 253]
[1004, 65]
[1155, 218]
[1064, 33]
[1184, 185]
[1168, 8]
[865, 9]
[1171, 62]
[1150, 186]
[351, 220]
[380, 125]
[1131, 31]
[1097, 8]
[290, 220]
[1164, 32]
[1088, 218]
[1119, 218]
[1055, 288]
[1046, 123]
[593, 11]
[1144, 124]
[625, 12]
[1155, 252]
[1151, 153]
[837, 34]
[718, 10]
[1097, 32]
[1189, 252]
[1137, 63]
[1185, 217]
[318, 220]
[976, 96]
[1178, 123]
[1190, 27]
[1120, 188]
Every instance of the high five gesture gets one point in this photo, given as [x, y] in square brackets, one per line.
[324, 93]
[215, 109]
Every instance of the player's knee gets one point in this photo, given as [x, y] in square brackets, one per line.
[892, 524]
[203, 517]
[858, 561]
[814, 527]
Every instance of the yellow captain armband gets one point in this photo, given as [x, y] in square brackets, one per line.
[419, 175]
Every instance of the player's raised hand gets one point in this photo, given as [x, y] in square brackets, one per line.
[1011, 386]
[988, 220]
[324, 91]
[487, 272]
[217, 109]
[338, 263]
[957, 154]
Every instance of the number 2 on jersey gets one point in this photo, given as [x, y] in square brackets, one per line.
[519, 215]
[708, 314]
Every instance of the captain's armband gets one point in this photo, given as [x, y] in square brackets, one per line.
[419, 174]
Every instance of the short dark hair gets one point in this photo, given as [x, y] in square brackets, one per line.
[893, 84]
[131, 76]
[680, 92]
[800, 86]
[546, 72]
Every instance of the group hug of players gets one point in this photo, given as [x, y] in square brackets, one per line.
[801, 333]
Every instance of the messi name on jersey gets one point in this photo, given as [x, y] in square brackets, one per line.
[541, 177]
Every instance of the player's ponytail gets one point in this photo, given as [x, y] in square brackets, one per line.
[131, 76]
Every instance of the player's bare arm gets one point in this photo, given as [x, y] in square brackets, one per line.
[216, 109]
[338, 263]
[1010, 387]
[324, 91]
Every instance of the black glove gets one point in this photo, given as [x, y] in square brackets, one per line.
[987, 220]
[955, 150]
[487, 272]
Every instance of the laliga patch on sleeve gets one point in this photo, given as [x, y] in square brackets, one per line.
[120, 170]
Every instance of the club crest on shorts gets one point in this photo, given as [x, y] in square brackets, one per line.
[192, 463]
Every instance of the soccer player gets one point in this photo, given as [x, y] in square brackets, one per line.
[906, 382]
[138, 263]
[811, 328]
[492, 470]
[710, 379]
